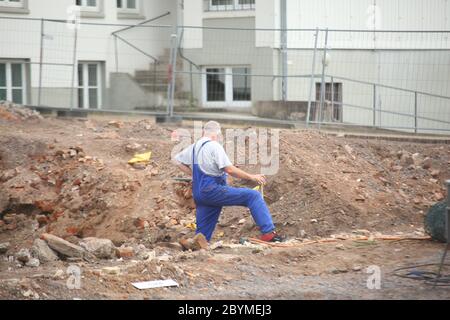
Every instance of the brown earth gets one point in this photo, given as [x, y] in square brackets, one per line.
[71, 178]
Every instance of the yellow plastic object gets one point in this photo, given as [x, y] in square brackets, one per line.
[141, 158]
[191, 226]
[260, 189]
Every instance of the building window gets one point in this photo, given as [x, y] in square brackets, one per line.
[88, 5]
[128, 5]
[241, 84]
[90, 85]
[129, 9]
[13, 82]
[14, 6]
[229, 86]
[215, 81]
[12, 3]
[332, 110]
[91, 8]
[230, 5]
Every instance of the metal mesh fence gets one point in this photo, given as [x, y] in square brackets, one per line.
[73, 64]
[386, 79]
[383, 79]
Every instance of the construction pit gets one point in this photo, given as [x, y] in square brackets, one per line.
[350, 207]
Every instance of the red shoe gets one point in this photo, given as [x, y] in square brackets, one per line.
[271, 237]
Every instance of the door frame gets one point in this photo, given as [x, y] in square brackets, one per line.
[86, 86]
[9, 87]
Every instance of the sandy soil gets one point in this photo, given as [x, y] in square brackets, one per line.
[71, 178]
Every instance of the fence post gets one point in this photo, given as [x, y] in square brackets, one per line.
[116, 53]
[322, 87]
[172, 71]
[416, 124]
[191, 85]
[284, 52]
[74, 66]
[332, 100]
[313, 77]
[41, 61]
[374, 105]
[154, 75]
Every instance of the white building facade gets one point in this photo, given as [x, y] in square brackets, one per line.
[90, 63]
[387, 61]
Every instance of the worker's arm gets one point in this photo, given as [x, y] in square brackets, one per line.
[241, 174]
[186, 169]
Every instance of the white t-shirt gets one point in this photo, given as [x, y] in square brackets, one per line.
[212, 158]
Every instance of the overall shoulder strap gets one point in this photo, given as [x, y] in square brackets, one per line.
[193, 150]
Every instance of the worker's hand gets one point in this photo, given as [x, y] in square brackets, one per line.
[259, 178]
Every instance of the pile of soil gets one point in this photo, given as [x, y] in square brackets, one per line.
[71, 178]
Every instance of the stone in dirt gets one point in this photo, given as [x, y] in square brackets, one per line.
[63, 247]
[133, 147]
[101, 248]
[125, 252]
[435, 173]
[427, 163]
[4, 247]
[198, 243]
[42, 251]
[111, 270]
[23, 256]
[171, 245]
[33, 263]
[406, 159]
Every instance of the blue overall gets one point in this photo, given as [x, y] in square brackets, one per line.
[211, 194]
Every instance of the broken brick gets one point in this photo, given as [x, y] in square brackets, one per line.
[45, 206]
[126, 252]
[42, 220]
[73, 231]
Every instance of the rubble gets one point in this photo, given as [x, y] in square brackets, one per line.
[43, 252]
[33, 263]
[125, 252]
[11, 111]
[101, 248]
[63, 247]
[427, 163]
[111, 270]
[325, 186]
[23, 256]
[199, 242]
[133, 148]
[4, 247]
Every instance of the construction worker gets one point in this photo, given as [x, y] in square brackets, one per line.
[209, 165]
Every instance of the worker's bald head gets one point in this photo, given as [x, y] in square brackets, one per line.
[212, 130]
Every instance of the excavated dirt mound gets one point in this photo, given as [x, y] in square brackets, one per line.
[71, 178]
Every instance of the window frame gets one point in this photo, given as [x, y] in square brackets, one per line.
[8, 6]
[235, 6]
[127, 13]
[9, 85]
[91, 11]
[229, 94]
